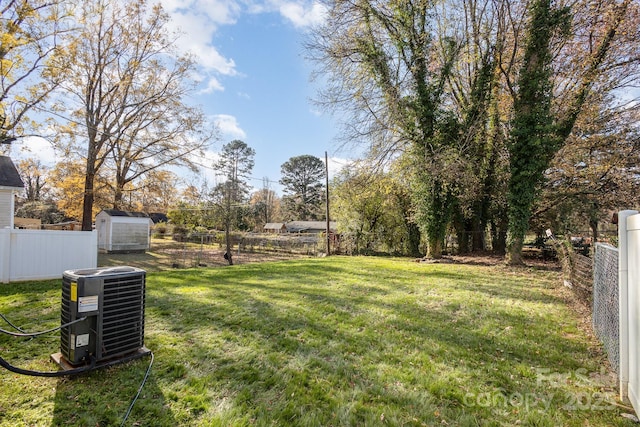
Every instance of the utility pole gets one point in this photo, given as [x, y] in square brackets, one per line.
[326, 168]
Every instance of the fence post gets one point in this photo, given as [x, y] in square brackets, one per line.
[623, 299]
[5, 255]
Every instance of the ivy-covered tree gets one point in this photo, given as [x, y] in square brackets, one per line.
[387, 75]
[537, 132]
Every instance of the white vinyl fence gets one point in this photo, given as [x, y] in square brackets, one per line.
[45, 254]
[629, 305]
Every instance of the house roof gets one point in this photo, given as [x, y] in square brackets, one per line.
[9, 176]
[296, 226]
[116, 212]
[274, 225]
[157, 217]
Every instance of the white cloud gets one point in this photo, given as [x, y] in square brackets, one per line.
[216, 11]
[336, 164]
[197, 22]
[303, 15]
[212, 86]
[34, 148]
[229, 127]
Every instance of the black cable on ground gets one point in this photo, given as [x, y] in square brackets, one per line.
[144, 380]
[35, 334]
[68, 372]
[21, 371]
[11, 324]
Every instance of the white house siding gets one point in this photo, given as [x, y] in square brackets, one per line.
[6, 208]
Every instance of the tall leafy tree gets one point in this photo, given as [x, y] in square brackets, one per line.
[302, 178]
[157, 191]
[373, 211]
[29, 36]
[235, 165]
[125, 88]
[532, 144]
[34, 176]
[68, 191]
[472, 92]
[593, 174]
[478, 97]
[265, 206]
[46, 212]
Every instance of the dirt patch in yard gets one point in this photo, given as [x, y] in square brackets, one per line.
[167, 254]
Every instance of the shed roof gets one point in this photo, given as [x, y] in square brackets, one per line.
[116, 212]
[9, 176]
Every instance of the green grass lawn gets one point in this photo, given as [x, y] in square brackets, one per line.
[327, 342]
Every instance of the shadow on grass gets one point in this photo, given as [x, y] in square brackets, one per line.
[278, 345]
[98, 398]
[102, 398]
[349, 341]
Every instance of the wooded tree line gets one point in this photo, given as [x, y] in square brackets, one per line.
[485, 117]
[54, 195]
[488, 117]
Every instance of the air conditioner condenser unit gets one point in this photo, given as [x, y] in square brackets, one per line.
[112, 300]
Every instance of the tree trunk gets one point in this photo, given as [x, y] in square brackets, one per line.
[228, 255]
[413, 240]
[227, 226]
[434, 250]
[435, 245]
[477, 232]
[87, 204]
[514, 251]
[498, 237]
[117, 198]
[594, 230]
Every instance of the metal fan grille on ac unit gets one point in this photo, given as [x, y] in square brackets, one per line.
[122, 316]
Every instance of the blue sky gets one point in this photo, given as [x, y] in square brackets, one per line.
[254, 79]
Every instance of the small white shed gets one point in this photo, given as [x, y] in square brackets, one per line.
[122, 231]
[10, 185]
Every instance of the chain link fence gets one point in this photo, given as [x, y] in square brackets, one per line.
[605, 315]
[187, 250]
